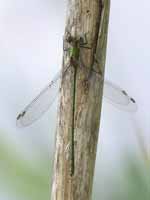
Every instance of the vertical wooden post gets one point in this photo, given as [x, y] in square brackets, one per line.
[80, 103]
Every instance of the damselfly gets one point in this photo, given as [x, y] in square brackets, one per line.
[112, 93]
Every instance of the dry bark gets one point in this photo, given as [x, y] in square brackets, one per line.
[80, 103]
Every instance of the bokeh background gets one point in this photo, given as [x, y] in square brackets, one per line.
[31, 33]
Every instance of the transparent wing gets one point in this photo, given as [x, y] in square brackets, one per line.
[40, 104]
[112, 93]
[118, 97]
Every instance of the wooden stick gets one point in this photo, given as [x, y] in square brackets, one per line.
[80, 100]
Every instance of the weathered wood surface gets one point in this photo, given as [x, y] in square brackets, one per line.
[90, 17]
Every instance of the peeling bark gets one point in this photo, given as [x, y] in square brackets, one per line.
[88, 17]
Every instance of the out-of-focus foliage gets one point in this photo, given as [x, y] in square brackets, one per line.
[21, 181]
[19, 178]
[129, 181]
[136, 180]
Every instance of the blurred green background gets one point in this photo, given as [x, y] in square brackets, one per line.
[129, 180]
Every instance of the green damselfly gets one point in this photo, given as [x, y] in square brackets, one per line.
[34, 110]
